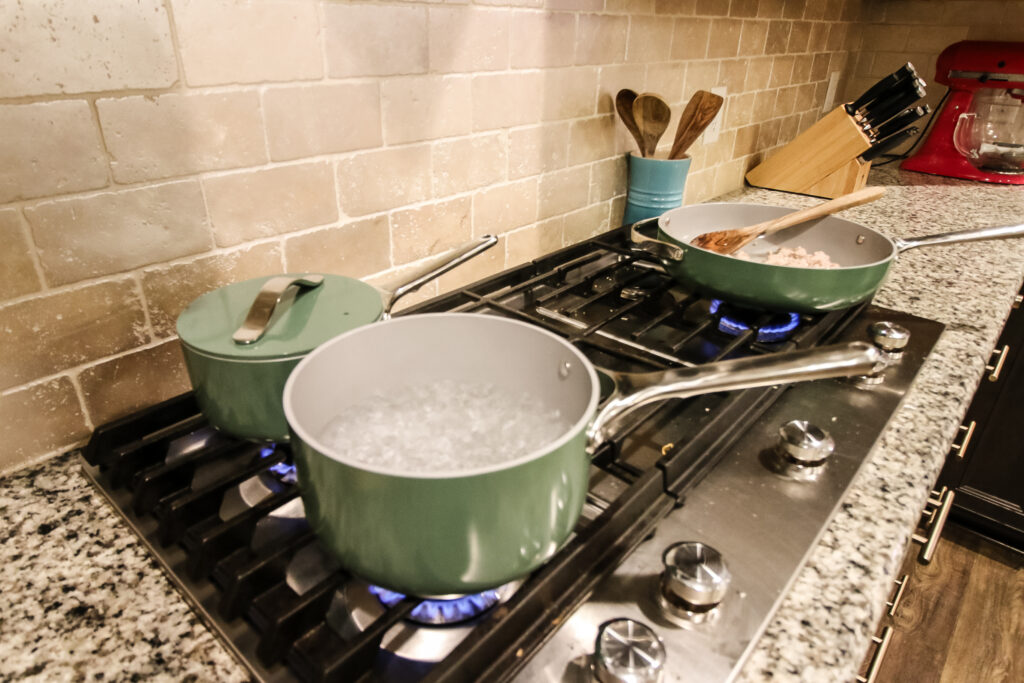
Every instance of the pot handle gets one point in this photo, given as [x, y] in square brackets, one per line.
[973, 235]
[634, 390]
[432, 268]
[664, 251]
[269, 301]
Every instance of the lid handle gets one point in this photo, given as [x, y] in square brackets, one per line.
[269, 302]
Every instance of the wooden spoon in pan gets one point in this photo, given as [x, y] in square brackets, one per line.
[729, 241]
[699, 113]
[652, 115]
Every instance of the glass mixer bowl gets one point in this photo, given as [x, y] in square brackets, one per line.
[990, 134]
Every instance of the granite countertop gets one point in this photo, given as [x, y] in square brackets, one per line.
[81, 599]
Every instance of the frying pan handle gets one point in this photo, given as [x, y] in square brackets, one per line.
[972, 235]
[655, 247]
[432, 268]
[270, 300]
[634, 390]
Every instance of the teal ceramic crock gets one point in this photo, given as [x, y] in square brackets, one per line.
[655, 186]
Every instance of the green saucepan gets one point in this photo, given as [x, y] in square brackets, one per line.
[466, 529]
[864, 256]
[241, 341]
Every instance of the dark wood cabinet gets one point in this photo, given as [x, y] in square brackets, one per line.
[986, 466]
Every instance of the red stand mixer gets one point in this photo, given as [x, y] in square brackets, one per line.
[979, 132]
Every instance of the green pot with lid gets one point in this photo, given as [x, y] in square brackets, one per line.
[242, 341]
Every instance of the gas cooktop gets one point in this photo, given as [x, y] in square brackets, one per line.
[700, 514]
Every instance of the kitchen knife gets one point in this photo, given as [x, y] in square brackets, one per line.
[882, 87]
[882, 110]
[882, 146]
[900, 121]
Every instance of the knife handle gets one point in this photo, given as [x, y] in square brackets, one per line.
[887, 82]
[883, 146]
[901, 121]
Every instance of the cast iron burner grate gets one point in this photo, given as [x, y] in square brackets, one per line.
[224, 518]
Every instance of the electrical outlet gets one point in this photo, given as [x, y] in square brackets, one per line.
[830, 93]
[715, 127]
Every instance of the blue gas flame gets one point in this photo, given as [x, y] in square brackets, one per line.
[442, 611]
[767, 333]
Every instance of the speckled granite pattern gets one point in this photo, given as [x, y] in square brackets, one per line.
[80, 599]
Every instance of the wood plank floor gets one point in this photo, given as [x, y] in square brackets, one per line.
[962, 616]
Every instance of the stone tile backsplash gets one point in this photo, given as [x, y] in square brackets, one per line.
[158, 149]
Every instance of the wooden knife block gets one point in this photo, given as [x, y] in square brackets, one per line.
[822, 161]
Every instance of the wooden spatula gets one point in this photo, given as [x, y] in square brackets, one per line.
[729, 241]
[652, 115]
[624, 106]
[699, 113]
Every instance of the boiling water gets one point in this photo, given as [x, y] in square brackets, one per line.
[444, 426]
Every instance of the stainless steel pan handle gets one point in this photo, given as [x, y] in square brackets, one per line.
[972, 235]
[634, 390]
[657, 248]
[432, 268]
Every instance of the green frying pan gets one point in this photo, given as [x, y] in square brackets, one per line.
[863, 254]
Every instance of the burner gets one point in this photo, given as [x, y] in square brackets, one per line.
[733, 322]
[441, 612]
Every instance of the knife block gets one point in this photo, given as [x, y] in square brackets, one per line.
[822, 161]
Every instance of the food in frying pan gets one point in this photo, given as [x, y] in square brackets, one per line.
[792, 256]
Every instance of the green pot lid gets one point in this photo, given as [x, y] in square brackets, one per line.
[317, 314]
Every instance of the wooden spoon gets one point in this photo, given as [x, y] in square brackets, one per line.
[699, 113]
[729, 241]
[652, 115]
[624, 106]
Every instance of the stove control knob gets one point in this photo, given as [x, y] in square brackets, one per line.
[695, 578]
[627, 651]
[805, 444]
[889, 337]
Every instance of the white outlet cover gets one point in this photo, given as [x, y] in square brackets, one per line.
[713, 130]
[830, 93]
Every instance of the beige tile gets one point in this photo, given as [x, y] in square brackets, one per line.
[743, 8]
[169, 289]
[17, 271]
[465, 39]
[746, 141]
[753, 35]
[782, 71]
[355, 249]
[601, 38]
[613, 78]
[507, 99]
[819, 67]
[802, 66]
[180, 133]
[785, 103]
[120, 386]
[937, 38]
[56, 331]
[681, 7]
[790, 128]
[418, 108]
[837, 35]
[690, 38]
[698, 186]
[468, 163]
[68, 46]
[771, 9]
[818, 38]
[924, 12]
[759, 71]
[499, 209]
[725, 38]
[794, 9]
[38, 420]
[420, 232]
[650, 39]
[608, 179]
[112, 232]
[569, 93]
[799, 37]
[764, 105]
[538, 149]
[542, 39]
[712, 8]
[536, 240]
[585, 223]
[253, 204]
[592, 139]
[739, 110]
[563, 191]
[778, 37]
[577, 5]
[668, 79]
[732, 73]
[768, 135]
[627, 6]
[307, 121]
[49, 148]
[375, 40]
[805, 97]
[701, 76]
[221, 41]
[815, 10]
[384, 179]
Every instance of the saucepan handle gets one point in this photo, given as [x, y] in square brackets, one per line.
[270, 301]
[972, 235]
[633, 390]
[432, 268]
[655, 247]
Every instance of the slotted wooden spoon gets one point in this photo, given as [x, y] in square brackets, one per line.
[700, 111]
[729, 241]
[652, 115]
